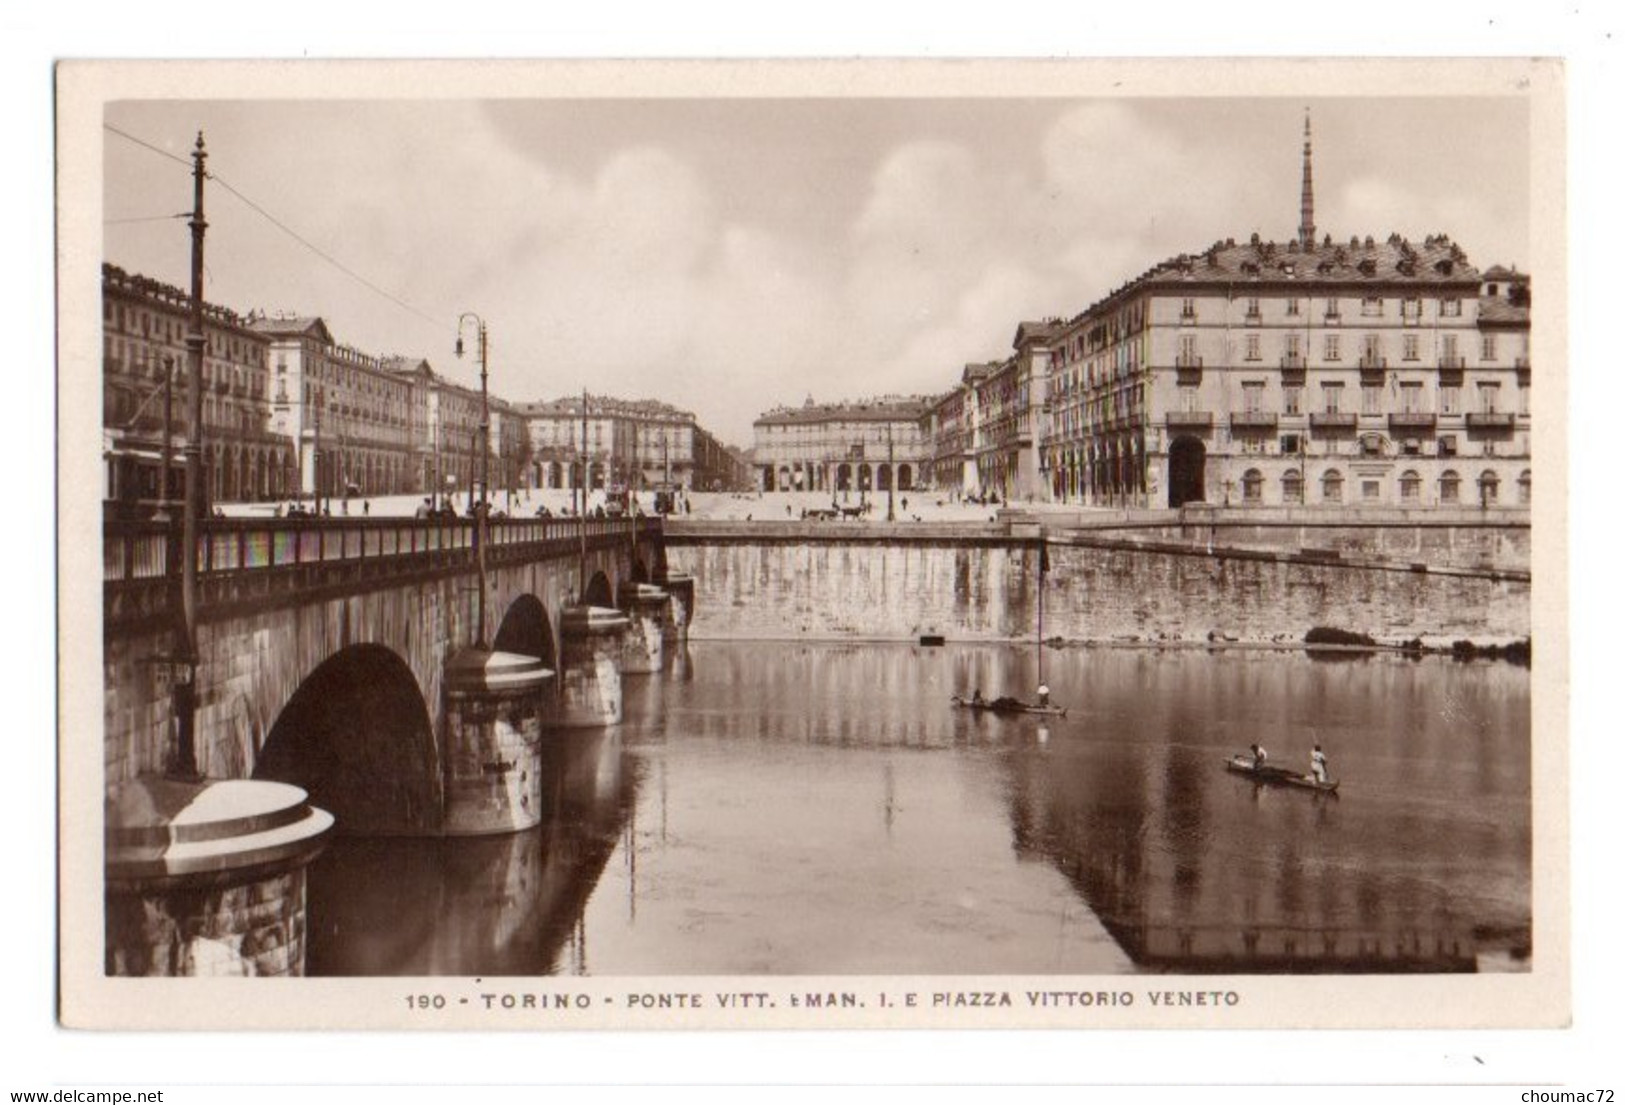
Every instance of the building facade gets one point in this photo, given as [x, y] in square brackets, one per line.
[144, 356]
[352, 418]
[636, 444]
[843, 447]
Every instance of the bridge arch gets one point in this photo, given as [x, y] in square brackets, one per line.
[357, 735]
[598, 592]
[526, 629]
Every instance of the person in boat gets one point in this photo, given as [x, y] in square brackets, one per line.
[1317, 765]
[976, 697]
[1043, 694]
[1260, 757]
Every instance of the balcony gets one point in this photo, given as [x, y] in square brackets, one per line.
[1190, 420]
[1370, 362]
[1253, 420]
[1333, 420]
[1187, 360]
[1412, 420]
[1293, 360]
[1490, 420]
[1334, 318]
[1253, 318]
[1454, 364]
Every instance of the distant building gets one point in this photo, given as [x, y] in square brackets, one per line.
[633, 443]
[351, 417]
[843, 447]
[144, 327]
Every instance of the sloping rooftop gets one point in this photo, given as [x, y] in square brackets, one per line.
[1435, 261]
[888, 409]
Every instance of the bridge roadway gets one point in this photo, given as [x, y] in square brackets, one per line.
[324, 645]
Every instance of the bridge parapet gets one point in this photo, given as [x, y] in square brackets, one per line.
[250, 561]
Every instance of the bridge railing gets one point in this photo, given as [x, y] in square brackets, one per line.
[134, 551]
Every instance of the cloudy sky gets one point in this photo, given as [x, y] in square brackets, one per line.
[731, 255]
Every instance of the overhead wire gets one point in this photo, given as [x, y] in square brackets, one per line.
[282, 226]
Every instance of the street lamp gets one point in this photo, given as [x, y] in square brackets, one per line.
[482, 511]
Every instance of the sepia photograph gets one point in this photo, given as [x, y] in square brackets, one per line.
[786, 546]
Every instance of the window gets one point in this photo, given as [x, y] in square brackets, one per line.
[1331, 486]
[1450, 308]
[1412, 347]
[1333, 394]
[1252, 397]
[1292, 487]
[1252, 347]
[1371, 350]
[1371, 491]
[1489, 489]
[1292, 306]
[1525, 487]
[1486, 347]
[1294, 346]
[1252, 307]
[1487, 397]
[1290, 444]
[1447, 445]
[1410, 487]
[1252, 486]
[1333, 347]
[1371, 306]
[1410, 398]
[1449, 399]
[1332, 311]
[1411, 308]
[1371, 399]
[1292, 399]
[1187, 399]
[1523, 398]
[1371, 445]
[1449, 487]
[1187, 349]
[1187, 309]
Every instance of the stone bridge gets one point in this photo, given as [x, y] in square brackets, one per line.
[342, 656]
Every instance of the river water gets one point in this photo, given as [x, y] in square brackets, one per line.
[821, 809]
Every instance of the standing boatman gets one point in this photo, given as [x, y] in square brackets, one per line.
[1317, 764]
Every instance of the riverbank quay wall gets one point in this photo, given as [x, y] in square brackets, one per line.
[1146, 580]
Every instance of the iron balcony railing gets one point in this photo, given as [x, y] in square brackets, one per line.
[140, 550]
[1453, 362]
[1189, 418]
[1333, 420]
[1253, 420]
[1292, 360]
[1490, 420]
[1187, 360]
[1412, 420]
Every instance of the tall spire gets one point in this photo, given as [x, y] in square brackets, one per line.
[1306, 224]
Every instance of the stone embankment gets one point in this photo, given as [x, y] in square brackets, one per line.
[1157, 577]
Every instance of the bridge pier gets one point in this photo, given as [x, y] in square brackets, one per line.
[208, 878]
[496, 707]
[645, 607]
[680, 586]
[591, 645]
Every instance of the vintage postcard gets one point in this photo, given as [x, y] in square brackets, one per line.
[787, 545]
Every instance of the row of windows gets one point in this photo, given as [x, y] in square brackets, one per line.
[1372, 349]
[1371, 306]
[1449, 487]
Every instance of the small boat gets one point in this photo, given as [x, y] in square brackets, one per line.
[1007, 706]
[1243, 765]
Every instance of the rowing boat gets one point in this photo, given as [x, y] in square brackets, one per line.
[1243, 765]
[1007, 706]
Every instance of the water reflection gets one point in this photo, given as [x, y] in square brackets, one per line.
[820, 809]
[498, 905]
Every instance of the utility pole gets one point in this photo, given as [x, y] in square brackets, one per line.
[482, 510]
[167, 463]
[581, 515]
[186, 688]
[891, 481]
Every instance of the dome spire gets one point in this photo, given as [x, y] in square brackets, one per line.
[1306, 223]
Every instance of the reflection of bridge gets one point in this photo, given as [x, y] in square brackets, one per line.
[326, 649]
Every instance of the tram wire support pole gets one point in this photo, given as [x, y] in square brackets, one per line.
[482, 509]
[185, 762]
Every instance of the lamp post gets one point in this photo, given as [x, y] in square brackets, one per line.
[481, 512]
[166, 463]
[891, 477]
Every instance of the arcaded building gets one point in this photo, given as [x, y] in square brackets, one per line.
[1355, 372]
[856, 447]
